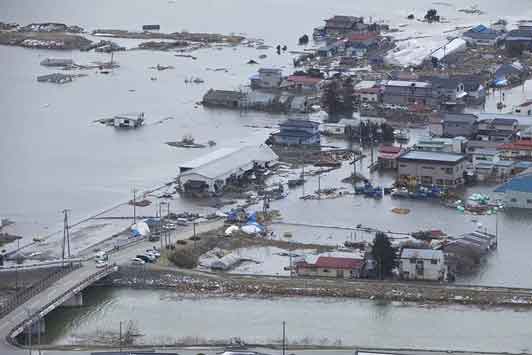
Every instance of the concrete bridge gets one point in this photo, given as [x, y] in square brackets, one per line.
[67, 287]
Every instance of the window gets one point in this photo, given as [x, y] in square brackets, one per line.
[413, 260]
[426, 180]
[427, 167]
[513, 200]
[448, 182]
[439, 181]
[434, 261]
[325, 270]
[529, 201]
[402, 165]
[449, 171]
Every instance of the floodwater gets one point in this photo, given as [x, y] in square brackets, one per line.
[323, 321]
[55, 157]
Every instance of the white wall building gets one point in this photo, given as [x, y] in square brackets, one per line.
[422, 264]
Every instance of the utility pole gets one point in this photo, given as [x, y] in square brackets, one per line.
[303, 176]
[120, 339]
[39, 333]
[29, 330]
[134, 205]
[284, 338]
[319, 185]
[66, 237]
[497, 228]
[194, 232]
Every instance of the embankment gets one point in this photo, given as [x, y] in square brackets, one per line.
[222, 284]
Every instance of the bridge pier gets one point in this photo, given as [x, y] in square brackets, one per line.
[36, 328]
[76, 300]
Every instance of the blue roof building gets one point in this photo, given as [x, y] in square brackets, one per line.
[517, 193]
[297, 132]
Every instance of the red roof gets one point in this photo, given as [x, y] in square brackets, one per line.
[362, 36]
[519, 145]
[303, 79]
[338, 263]
[331, 262]
[389, 149]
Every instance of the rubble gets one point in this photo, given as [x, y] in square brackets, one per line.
[178, 36]
[43, 40]
[51, 27]
[163, 46]
[109, 47]
[56, 78]
[5, 26]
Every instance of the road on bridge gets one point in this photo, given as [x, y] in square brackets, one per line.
[36, 304]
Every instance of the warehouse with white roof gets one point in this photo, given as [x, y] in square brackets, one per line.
[212, 172]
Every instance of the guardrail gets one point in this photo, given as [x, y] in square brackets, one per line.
[50, 305]
[38, 265]
[25, 294]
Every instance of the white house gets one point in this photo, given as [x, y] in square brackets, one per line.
[129, 120]
[422, 264]
[517, 193]
[267, 78]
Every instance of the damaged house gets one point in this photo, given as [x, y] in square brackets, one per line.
[209, 174]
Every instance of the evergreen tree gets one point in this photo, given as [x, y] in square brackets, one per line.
[331, 99]
[384, 254]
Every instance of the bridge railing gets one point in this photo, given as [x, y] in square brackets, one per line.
[31, 317]
[27, 293]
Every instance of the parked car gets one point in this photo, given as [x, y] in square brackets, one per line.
[145, 258]
[137, 261]
[101, 263]
[153, 252]
[182, 222]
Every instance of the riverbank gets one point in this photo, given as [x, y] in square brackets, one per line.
[208, 349]
[198, 283]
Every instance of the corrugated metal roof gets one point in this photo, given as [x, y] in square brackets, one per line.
[432, 156]
[228, 161]
[421, 254]
[404, 83]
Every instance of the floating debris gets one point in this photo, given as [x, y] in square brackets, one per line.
[186, 142]
[399, 210]
[186, 56]
[127, 120]
[56, 78]
[162, 67]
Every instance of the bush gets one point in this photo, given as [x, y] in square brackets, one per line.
[183, 258]
[181, 242]
[194, 238]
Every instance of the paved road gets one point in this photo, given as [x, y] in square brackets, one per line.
[70, 280]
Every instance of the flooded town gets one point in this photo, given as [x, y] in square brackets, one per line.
[265, 177]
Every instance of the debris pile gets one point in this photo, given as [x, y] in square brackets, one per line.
[51, 27]
[163, 46]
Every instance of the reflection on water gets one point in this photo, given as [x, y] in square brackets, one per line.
[164, 316]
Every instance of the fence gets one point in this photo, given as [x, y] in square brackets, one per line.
[27, 293]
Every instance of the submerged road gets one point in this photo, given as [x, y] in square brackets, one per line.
[39, 305]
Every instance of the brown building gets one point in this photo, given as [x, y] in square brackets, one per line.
[344, 267]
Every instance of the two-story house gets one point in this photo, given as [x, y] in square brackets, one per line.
[297, 132]
[417, 167]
